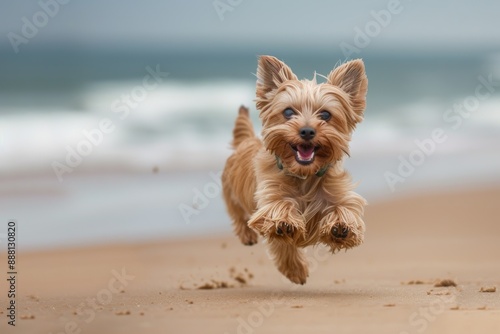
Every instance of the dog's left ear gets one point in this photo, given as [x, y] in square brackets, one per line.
[351, 78]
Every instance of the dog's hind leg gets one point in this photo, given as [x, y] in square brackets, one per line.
[246, 234]
[290, 261]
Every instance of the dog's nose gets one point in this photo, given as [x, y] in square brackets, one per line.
[307, 133]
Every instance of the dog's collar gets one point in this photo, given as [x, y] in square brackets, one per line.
[319, 173]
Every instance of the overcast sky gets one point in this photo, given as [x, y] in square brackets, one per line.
[179, 23]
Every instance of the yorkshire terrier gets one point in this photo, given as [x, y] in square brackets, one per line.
[290, 187]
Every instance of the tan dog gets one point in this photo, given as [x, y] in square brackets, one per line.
[291, 187]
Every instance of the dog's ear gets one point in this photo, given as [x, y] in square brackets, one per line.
[351, 78]
[271, 73]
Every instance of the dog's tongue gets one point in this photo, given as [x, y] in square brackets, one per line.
[305, 152]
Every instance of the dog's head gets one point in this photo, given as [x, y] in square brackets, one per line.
[309, 125]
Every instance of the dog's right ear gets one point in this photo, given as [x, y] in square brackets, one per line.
[271, 73]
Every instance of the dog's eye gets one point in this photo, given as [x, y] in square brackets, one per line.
[288, 113]
[325, 115]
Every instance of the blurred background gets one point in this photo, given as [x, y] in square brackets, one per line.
[116, 116]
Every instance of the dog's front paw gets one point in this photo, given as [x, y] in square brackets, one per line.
[286, 224]
[283, 229]
[341, 230]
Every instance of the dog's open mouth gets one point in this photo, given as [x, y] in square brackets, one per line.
[304, 153]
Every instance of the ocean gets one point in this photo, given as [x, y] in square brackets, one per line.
[114, 146]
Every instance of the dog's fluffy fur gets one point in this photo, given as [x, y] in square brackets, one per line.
[291, 187]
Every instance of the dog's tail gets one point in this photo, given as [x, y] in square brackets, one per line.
[243, 128]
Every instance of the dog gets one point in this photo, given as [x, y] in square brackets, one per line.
[290, 187]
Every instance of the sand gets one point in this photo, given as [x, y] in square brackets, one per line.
[393, 283]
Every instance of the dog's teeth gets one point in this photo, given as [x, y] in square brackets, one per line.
[305, 152]
[305, 158]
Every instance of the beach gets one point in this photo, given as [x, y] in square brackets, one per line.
[213, 284]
